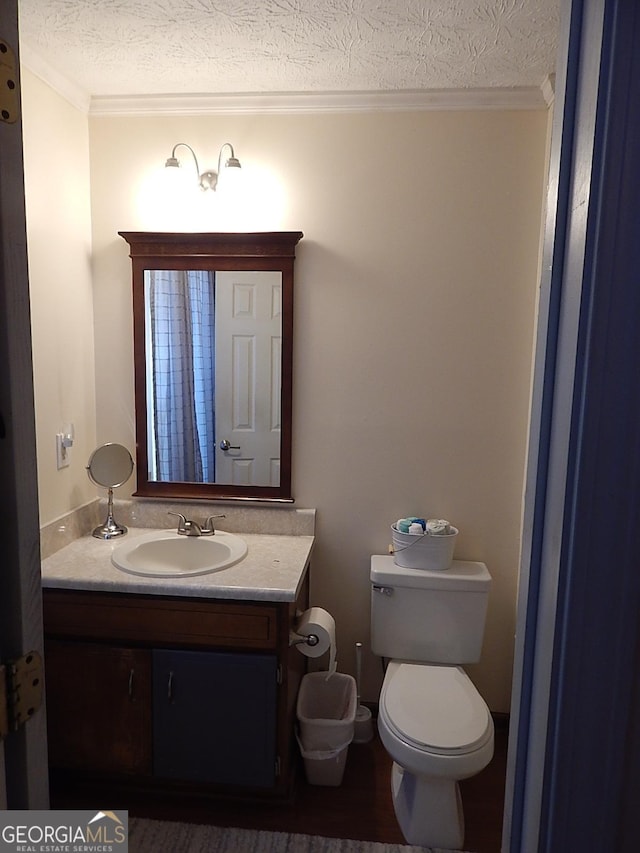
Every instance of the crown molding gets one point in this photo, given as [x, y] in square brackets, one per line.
[283, 103]
[549, 89]
[66, 88]
[521, 98]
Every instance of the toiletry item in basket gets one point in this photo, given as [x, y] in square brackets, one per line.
[403, 524]
[438, 527]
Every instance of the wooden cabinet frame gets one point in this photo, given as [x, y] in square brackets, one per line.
[118, 630]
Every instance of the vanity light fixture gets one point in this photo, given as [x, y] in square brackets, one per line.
[207, 180]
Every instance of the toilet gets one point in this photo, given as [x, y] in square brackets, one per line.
[432, 721]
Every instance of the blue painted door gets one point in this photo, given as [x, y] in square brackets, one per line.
[214, 717]
[575, 782]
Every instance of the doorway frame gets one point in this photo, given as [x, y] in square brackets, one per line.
[24, 782]
[574, 752]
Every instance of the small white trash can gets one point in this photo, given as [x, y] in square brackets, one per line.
[326, 711]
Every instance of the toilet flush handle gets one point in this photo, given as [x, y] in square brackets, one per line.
[383, 590]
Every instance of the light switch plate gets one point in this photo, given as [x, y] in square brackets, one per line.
[62, 452]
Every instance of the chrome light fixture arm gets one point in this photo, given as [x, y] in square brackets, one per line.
[207, 180]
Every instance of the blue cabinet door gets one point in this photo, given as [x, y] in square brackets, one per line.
[214, 717]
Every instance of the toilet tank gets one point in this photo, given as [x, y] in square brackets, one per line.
[426, 616]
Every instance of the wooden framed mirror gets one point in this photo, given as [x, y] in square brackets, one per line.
[213, 363]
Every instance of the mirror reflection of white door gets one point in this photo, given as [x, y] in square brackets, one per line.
[248, 377]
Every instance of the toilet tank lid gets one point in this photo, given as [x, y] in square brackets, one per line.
[463, 575]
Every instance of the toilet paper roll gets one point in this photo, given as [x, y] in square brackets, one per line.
[320, 622]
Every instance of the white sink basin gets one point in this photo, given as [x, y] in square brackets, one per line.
[166, 554]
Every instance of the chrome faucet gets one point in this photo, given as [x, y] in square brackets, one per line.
[186, 527]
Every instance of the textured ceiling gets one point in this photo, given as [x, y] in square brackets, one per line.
[159, 47]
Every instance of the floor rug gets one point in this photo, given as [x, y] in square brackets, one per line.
[158, 836]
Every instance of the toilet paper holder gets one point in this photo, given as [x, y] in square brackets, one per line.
[298, 639]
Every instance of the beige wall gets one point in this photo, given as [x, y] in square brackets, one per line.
[56, 155]
[415, 303]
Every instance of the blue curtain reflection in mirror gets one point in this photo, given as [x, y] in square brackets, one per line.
[180, 362]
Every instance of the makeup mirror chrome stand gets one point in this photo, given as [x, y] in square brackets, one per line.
[110, 466]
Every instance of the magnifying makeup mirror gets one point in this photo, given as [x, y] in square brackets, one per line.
[110, 466]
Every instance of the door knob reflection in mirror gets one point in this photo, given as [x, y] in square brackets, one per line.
[226, 445]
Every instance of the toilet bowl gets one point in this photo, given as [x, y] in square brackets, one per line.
[437, 729]
[432, 721]
[435, 720]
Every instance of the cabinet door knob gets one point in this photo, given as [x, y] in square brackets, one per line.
[131, 675]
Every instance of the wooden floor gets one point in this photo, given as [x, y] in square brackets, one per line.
[359, 808]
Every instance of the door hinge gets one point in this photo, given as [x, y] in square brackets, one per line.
[278, 767]
[8, 84]
[21, 683]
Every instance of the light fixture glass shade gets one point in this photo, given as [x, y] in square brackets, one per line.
[230, 174]
[176, 179]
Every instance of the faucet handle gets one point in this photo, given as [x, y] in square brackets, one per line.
[209, 524]
[185, 526]
[182, 524]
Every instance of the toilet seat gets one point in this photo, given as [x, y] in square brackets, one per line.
[435, 709]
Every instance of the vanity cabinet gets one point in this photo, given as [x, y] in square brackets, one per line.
[172, 692]
[99, 707]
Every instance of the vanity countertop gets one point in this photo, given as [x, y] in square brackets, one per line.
[273, 570]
